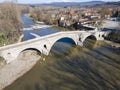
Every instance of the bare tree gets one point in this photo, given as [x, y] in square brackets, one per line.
[10, 22]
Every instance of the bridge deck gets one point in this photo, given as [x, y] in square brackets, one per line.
[43, 37]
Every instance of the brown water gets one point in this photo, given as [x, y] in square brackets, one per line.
[76, 69]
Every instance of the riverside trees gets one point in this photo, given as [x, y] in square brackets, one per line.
[10, 23]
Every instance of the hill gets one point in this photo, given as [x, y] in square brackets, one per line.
[63, 4]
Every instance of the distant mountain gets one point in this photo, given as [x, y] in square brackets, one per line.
[96, 3]
[91, 3]
[63, 4]
[113, 3]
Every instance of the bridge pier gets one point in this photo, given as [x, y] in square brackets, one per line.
[45, 52]
[80, 43]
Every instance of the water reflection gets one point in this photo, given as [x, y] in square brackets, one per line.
[76, 69]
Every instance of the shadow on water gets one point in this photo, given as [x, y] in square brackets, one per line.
[79, 68]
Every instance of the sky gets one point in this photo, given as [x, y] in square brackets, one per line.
[49, 1]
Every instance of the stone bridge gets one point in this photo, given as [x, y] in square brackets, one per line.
[44, 44]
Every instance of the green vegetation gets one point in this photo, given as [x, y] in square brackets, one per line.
[10, 23]
[2, 40]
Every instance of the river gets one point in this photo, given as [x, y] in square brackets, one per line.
[28, 22]
[70, 67]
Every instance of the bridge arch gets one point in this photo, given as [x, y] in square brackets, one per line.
[91, 37]
[27, 49]
[90, 41]
[33, 49]
[73, 41]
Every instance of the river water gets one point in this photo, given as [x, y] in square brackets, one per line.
[41, 32]
[70, 67]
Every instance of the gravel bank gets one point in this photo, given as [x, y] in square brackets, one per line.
[12, 71]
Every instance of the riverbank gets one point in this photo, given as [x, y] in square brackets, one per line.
[113, 44]
[12, 71]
